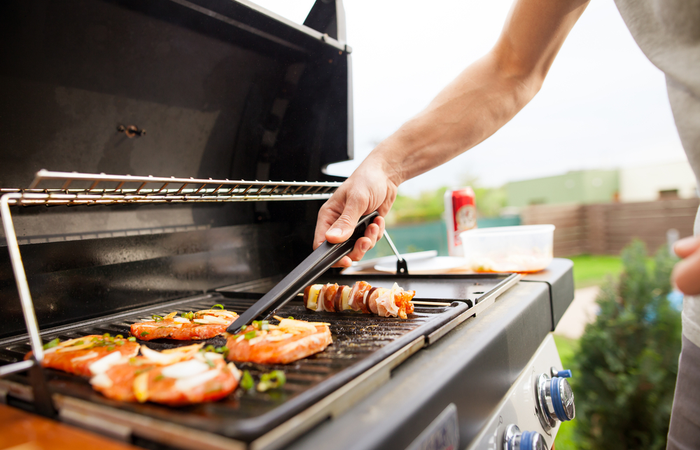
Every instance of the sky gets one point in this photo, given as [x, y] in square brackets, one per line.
[602, 106]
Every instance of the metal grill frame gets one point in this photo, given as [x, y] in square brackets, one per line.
[128, 190]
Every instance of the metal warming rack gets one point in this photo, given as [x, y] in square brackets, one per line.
[72, 188]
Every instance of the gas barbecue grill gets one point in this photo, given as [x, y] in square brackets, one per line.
[227, 90]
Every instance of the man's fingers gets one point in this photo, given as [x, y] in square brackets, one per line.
[327, 215]
[361, 247]
[686, 246]
[345, 261]
[686, 274]
[343, 227]
[380, 223]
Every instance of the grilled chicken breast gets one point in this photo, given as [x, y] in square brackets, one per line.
[200, 325]
[175, 377]
[76, 356]
[291, 340]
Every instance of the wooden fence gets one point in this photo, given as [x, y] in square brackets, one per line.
[607, 228]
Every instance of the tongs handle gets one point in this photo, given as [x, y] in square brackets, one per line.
[304, 274]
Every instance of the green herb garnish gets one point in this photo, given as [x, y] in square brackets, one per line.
[158, 377]
[290, 318]
[120, 343]
[156, 317]
[189, 315]
[52, 344]
[272, 380]
[80, 342]
[144, 333]
[218, 306]
[106, 335]
[209, 362]
[262, 325]
[110, 348]
[119, 336]
[131, 339]
[247, 382]
[250, 335]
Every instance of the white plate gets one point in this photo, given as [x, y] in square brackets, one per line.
[437, 264]
[384, 260]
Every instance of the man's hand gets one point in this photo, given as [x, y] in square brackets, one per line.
[369, 188]
[686, 274]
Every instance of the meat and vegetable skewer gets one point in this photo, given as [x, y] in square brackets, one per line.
[360, 297]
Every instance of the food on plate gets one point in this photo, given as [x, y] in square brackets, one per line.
[360, 297]
[175, 377]
[200, 325]
[78, 355]
[289, 341]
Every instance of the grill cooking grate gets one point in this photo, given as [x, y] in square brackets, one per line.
[359, 342]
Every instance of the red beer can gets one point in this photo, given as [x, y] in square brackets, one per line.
[460, 215]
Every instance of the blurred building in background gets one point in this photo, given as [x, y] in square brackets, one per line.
[580, 187]
[657, 182]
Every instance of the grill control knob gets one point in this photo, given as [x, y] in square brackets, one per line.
[514, 439]
[555, 400]
[560, 373]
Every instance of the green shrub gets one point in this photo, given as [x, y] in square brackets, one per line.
[628, 358]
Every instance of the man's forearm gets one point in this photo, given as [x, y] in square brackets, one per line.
[486, 95]
[473, 107]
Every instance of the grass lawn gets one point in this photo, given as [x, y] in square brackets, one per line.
[566, 440]
[593, 270]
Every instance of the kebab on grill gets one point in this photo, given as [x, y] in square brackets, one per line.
[174, 377]
[360, 297]
[78, 356]
[289, 341]
[200, 325]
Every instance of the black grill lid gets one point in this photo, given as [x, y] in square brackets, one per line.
[222, 88]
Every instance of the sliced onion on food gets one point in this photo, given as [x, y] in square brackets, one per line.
[185, 369]
[279, 337]
[164, 358]
[101, 380]
[87, 356]
[186, 384]
[140, 387]
[234, 371]
[102, 365]
[298, 326]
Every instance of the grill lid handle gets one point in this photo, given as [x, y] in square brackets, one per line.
[304, 274]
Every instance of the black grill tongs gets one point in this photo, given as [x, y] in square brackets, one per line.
[304, 274]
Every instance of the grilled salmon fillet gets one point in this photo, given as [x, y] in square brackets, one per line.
[175, 377]
[361, 297]
[200, 325]
[289, 341]
[76, 356]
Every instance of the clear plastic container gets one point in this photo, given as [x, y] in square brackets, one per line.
[525, 248]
